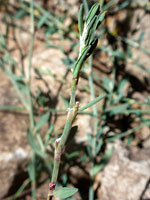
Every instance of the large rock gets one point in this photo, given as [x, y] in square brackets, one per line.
[127, 175]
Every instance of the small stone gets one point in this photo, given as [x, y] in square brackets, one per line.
[146, 143]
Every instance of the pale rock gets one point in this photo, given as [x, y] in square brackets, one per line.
[126, 175]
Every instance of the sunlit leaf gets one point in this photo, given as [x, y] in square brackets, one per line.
[64, 192]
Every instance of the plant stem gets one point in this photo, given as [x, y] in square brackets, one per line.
[31, 114]
[59, 146]
[95, 113]
[87, 46]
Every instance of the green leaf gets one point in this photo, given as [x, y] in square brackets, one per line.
[120, 91]
[98, 146]
[80, 61]
[73, 154]
[90, 31]
[130, 139]
[48, 135]
[92, 26]
[93, 12]
[5, 107]
[101, 16]
[71, 199]
[97, 168]
[101, 4]
[89, 152]
[124, 4]
[31, 171]
[32, 141]
[32, 174]
[43, 119]
[14, 77]
[20, 14]
[141, 67]
[93, 45]
[141, 37]
[92, 102]
[80, 19]
[121, 85]
[64, 179]
[90, 139]
[21, 188]
[42, 20]
[3, 41]
[64, 192]
[131, 42]
[109, 4]
[119, 109]
[21, 88]
[108, 84]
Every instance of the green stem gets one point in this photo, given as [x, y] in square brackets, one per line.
[31, 113]
[60, 143]
[95, 113]
[87, 46]
[73, 91]
[91, 191]
[59, 149]
[34, 177]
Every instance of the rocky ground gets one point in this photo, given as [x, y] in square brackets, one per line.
[127, 175]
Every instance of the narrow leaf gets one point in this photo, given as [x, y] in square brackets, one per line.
[32, 141]
[101, 4]
[92, 102]
[80, 19]
[102, 15]
[93, 45]
[14, 108]
[93, 11]
[41, 122]
[100, 166]
[119, 109]
[90, 30]
[98, 147]
[108, 84]
[48, 135]
[20, 14]
[64, 192]
[42, 20]
[79, 62]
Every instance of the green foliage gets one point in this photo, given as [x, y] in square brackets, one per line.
[64, 192]
[97, 168]
[114, 86]
[35, 146]
[43, 119]
[92, 102]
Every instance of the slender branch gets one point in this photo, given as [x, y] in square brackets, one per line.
[31, 114]
[60, 142]
[95, 113]
[87, 45]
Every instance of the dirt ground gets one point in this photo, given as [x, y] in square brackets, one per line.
[15, 151]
